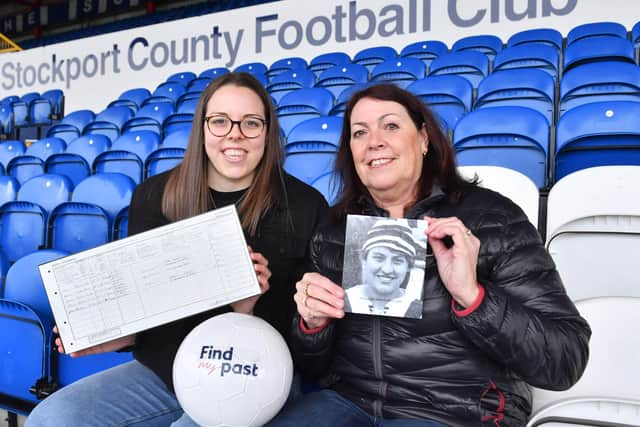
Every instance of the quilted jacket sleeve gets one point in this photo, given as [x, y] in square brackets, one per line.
[526, 321]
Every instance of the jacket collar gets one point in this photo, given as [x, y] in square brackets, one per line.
[366, 206]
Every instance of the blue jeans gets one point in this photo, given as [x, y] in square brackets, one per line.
[326, 408]
[126, 395]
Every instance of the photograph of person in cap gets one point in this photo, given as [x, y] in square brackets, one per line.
[380, 263]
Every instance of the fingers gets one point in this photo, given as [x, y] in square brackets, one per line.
[318, 299]
[439, 228]
[260, 266]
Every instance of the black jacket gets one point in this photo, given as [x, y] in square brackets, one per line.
[283, 237]
[463, 371]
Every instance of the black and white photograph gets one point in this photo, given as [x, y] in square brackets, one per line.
[383, 268]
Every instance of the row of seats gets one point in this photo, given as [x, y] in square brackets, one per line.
[30, 109]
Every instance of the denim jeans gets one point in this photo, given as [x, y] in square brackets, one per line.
[126, 395]
[326, 408]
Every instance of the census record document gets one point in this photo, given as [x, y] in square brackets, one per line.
[149, 279]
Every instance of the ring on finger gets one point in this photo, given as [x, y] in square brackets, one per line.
[304, 300]
[467, 233]
[306, 290]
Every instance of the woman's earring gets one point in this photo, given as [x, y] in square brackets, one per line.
[424, 153]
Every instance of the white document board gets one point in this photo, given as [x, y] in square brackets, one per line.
[149, 279]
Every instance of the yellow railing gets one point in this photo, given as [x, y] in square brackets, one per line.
[8, 45]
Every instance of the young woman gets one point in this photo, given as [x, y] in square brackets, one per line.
[234, 157]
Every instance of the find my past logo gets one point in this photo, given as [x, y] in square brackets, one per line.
[215, 360]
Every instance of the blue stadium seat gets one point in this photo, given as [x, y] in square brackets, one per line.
[598, 48]
[595, 29]
[288, 81]
[25, 167]
[4, 267]
[121, 224]
[8, 189]
[177, 139]
[128, 154]
[184, 77]
[26, 324]
[30, 97]
[257, 69]
[327, 60]
[56, 98]
[599, 81]
[198, 84]
[40, 112]
[71, 369]
[471, 65]
[71, 126]
[163, 159]
[399, 71]
[338, 78]
[340, 103]
[372, 56]
[177, 121]
[213, 73]
[87, 220]
[77, 160]
[548, 36]
[311, 148]
[426, 51]
[23, 222]
[302, 104]
[132, 98]
[20, 113]
[597, 134]
[524, 87]
[6, 120]
[490, 45]
[10, 149]
[635, 39]
[329, 185]
[45, 147]
[449, 96]
[528, 55]
[511, 137]
[285, 64]
[150, 117]
[109, 122]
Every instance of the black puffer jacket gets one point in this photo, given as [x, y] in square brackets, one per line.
[467, 370]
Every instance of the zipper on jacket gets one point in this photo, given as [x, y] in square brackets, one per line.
[377, 364]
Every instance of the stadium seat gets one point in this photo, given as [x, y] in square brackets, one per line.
[285, 64]
[184, 77]
[20, 113]
[121, 224]
[10, 149]
[607, 393]
[150, 118]
[128, 154]
[426, 51]
[26, 324]
[45, 147]
[510, 183]
[448, 96]
[4, 267]
[635, 39]
[177, 121]
[40, 112]
[71, 126]
[338, 78]
[77, 160]
[87, 220]
[599, 81]
[372, 56]
[490, 45]
[6, 121]
[257, 69]
[213, 73]
[329, 185]
[167, 92]
[8, 189]
[598, 48]
[512, 137]
[596, 29]
[56, 98]
[340, 103]
[311, 148]
[109, 122]
[23, 222]
[524, 87]
[132, 98]
[593, 231]
[471, 65]
[163, 159]
[548, 36]
[177, 139]
[399, 71]
[198, 84]
[327, 60]
[288, 81]
[303, 104]
[597, 134]
[529, 55]
[25, 167]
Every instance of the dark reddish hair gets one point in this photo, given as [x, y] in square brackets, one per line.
[438, 166]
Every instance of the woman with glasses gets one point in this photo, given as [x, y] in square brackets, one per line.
[234, 156]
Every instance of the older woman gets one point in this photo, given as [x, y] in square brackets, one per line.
[495, 314]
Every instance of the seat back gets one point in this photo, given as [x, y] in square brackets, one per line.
[303, 104]
[607, 392]
[40, 112]
[490, 45]
[327, 60]
[45, 147]
[448, 96]
[178, 139]
[10, 149]
[598, 48]
[8, 189]
[529, 55]
[56, 98]
[25, 167]
[470, 64]
[77, 160]
[426, 51]
[372, 56]
[163, 159]
[183, 77]
[288, 81]
[399, 71]
[285, 64]
[338, 78]
[593, 231]
[549, 36]
[109, 122]
[595, 29]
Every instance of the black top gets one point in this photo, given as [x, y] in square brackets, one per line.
[282, 238]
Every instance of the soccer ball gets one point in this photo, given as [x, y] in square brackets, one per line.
[232, 370]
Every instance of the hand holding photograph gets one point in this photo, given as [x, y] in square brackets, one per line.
[383, 268]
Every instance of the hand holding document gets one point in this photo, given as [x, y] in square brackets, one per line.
[149, 279]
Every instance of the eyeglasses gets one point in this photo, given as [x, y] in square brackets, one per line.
[221, 125]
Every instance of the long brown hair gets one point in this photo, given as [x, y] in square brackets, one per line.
[438, 166]
[187, 191]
